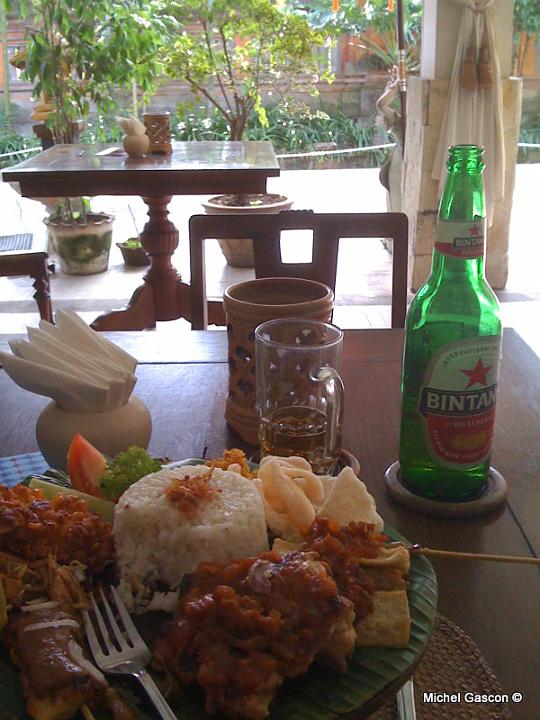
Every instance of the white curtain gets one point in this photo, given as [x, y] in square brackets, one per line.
[475, 116]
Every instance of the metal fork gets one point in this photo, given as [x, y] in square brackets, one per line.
[127, 654]
[405, 701]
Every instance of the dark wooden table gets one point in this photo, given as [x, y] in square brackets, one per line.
[183, 380]
[32, 261]
[194, 168]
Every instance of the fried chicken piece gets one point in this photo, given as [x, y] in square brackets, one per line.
[241, 628]
[33, 528]
[340, 645]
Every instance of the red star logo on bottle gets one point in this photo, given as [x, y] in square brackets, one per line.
[474, 231]
[478, 374]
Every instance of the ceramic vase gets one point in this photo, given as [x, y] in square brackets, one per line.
[110, 432]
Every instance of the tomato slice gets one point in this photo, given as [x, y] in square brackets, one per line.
[85, 465]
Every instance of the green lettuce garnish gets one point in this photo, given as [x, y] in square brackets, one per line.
[124, 470]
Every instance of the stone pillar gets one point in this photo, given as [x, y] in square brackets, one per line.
[426, 103]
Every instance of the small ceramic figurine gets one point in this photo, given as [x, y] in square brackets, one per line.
[135, 141]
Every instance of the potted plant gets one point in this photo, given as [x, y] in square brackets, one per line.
[81, 238]
[77, 54]
[228, 53]
[133, 252]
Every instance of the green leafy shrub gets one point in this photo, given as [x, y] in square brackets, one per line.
[132, 243]
[101, 129]
[530, 134]
[11, 141]
[297, 130]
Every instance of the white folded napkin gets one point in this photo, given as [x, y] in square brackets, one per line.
[77, 367]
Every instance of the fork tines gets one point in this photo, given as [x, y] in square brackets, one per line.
[113, 641]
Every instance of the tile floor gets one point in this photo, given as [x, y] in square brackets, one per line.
[364, 269]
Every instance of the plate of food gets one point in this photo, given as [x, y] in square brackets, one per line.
[262, 591]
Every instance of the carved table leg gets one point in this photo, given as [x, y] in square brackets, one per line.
[160, 239]
[159, 298]
[138, 315]
[42, 296]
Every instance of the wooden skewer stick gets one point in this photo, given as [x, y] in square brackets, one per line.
[419, 550]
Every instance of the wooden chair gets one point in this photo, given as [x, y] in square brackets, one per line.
[20, 256]
[265, 230]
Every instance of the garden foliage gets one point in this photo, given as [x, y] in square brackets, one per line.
[227, 51]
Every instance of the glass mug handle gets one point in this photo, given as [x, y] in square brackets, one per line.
[335, 399]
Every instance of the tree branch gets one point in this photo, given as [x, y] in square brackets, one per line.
[230, 72]
[214, 65]
[226, 114]
[258, 65]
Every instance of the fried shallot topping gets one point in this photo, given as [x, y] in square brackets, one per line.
[341, 548]
[187, 493]
[33, 528]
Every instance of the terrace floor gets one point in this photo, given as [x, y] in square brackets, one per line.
[364, 269]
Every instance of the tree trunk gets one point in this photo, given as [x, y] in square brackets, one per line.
[5, 58]
[236, 131]
[237, 126]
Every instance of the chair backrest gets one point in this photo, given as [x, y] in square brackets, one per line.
[328, 228]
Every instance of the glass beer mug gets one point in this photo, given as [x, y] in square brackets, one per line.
[299, 390]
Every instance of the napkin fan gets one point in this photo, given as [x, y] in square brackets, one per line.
[90, 381]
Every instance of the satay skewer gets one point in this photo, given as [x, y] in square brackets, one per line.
[430, 552]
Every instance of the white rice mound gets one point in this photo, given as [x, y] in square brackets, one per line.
[157, 543]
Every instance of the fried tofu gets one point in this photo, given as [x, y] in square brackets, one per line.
[369, 573]
[389, 624]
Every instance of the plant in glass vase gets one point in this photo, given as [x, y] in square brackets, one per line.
[77, 54]
[81, 238]
[230, 52]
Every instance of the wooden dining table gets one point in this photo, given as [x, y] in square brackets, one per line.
[193, 168]
[183, 380]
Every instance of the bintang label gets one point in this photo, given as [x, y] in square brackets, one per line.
[457, 401]
[457, 239]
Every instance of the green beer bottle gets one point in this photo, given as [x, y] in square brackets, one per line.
[452, 349]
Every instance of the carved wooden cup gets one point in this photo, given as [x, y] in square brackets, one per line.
[158, 129]
[247, 305]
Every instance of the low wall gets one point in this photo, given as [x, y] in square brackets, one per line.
[355, 96]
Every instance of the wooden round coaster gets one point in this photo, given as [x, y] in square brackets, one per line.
[346, 458]
[491, 499]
